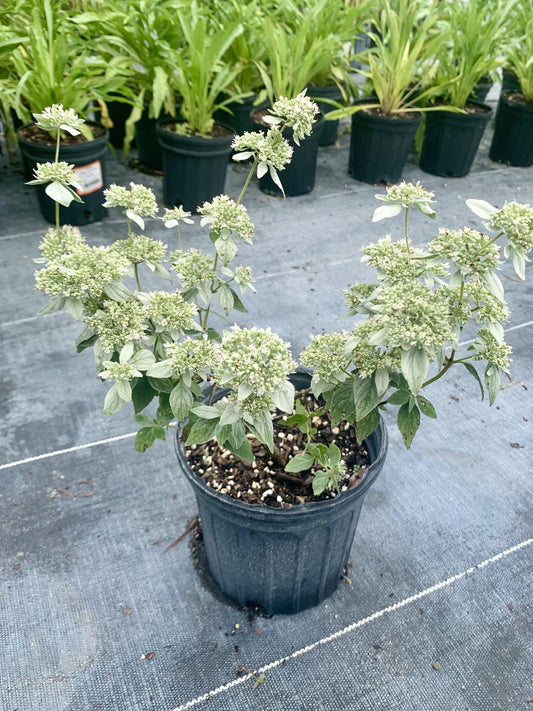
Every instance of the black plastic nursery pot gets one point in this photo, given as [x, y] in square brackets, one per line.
[512, 141]
[298, 177]
[119, 113]
[238, 116]
[451, 140]
[379, 145]
[329, 128]
[285, 560]
[89, 161]
[194, 167]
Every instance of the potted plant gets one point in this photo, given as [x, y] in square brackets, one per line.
[245, 50]
[280, 462]
[404, 37]
[512, 141]
[195, 148]
[53, 62]
[139, 33]
[294, 56]
[475, 31]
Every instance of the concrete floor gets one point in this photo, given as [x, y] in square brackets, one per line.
[94, 614]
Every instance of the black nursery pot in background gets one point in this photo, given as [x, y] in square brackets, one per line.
[379, 145]
[512, 142]
[89, 161]
[451, 140]
[298, 177]
[329, 128]
[194, 167]
[283, 559]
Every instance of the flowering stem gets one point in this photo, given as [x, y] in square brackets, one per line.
[406, 235]
[247, 181]
[136, 267]
[179, 236]
[204, 325]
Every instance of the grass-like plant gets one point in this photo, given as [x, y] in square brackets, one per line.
[518, 46]
[475, 32]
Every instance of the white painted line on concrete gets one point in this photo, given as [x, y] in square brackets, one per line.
[356, 625]
[57, 452]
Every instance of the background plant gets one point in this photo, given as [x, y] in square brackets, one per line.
[518, 46]
[475, 32]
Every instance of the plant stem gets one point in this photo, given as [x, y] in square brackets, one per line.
[407, 235]
[247, 181]
[58, 141]
[136, 267]
[179, 236]
[204, 325]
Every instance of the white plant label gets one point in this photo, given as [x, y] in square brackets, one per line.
[90, 177]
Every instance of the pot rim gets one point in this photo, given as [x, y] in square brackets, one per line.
[103, 137]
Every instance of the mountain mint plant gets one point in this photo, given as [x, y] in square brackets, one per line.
[157, 348]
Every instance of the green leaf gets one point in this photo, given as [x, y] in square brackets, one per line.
[214, 335]
[62, 193]
[341, 402]
[134, 217]
[494, 285]
[160, 370]
[225, 298]
[365, 396]
[300, 462]
[113, 402]
[144, 438]
[426, 408]
[124, 390]
[283, 398]
[492, 381]
[408, 422]
[415, 365]
[201, 431]
[206, 412]
[117, 291]
[237, 303]
[230, 415]
[320, 482]
[473, 372]
[142, 394]
[399, 397]
[54, 303]
[85, 339]
[143, 419]
[367, 425]
[384, 211]
[74, 307]
[159, 432]
[181, 401]
[481, 208]
[126, 352]
[264, 429]
[143, 359]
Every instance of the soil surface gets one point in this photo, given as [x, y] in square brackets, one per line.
[264, 483]
[218, 130]
[36, 135]
[517, 98]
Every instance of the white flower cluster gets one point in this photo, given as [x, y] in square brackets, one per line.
[139, 199]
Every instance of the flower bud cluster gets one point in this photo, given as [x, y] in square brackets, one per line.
[121, 372]
[139, 248]
[118, 323]
[298, 113]
[55, 116]
[55, 244]
[254, 358]
[192, 355]
[487, 308]
[170, 311]
[224, 215]
[140, 199]
[407, 194]
[366, 358]
[488, 348]
[326, 353]
[83, 272]
[516, 221]
[60, 172]
[243, 277]
[193, 267]
[415, 317]
[392, 261]
[469, 250]
[270, 149]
